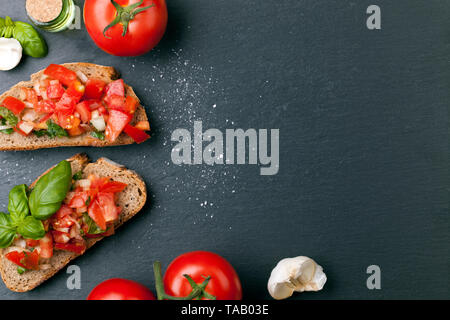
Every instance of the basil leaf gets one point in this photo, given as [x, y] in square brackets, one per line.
[78, 176]
[53, 130]
[32, 42]
[18, 203]
[21, 270]
[98, 134]
[93, 228]
[50, 191]
[7, 131]
[7, 230]
[40, 133]
[31, 228]
[8, 116]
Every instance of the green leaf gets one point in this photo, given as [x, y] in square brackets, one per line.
[78, 176]
[40, 133]
[32, 42]
[31, 228]
[53, 130]
[7, 114]
[7, 131]
[7, 230]
[21, 270]
[50, 191]
[98, 134]
[93, 227]
[18, 203]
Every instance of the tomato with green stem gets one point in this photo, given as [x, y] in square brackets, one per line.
[125, 27]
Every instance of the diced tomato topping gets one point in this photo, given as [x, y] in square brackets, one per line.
[131, 104]
[116, 87]
[24, 259]
[67, 102]
[75, 129]
[60, 237]
[107, 206]
[117, 121]
[138, 135]
[30, 96]
[142, 125]
[113, 187]
[45, 106]
[77, 89]
[79, 200]
[94, 89]
[74, 246]
[46, 245]
[67, 121]
[13, 104]
[96, 214]
[116, 102]
[25, 127]
[32, 243]
[55, 91]
[64, 75]
[84, 110]
[65, 210]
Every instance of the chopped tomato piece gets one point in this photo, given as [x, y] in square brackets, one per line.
[94, 89]
[96, 214]
[79, 200]
[13, 104]
[46, 245]
[60, 237]
[65, 210]
[24, 259]
[108, 207]
[30, 96]
[113, 187]
[64, 75]
[67, 102]
[142, 125]
[84, 110]
[45, 106]
[73, 246]
[75, 129]
[67, 121]
[131, 104]
[138, 135]
[116, 87]
[117, 121]
[116, 102]
[32, 243]
[76, 88]
[55, 91]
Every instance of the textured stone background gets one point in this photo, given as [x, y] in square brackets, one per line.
[363, 119]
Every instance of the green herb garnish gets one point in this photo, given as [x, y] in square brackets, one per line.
[98, 134]
[21, 270]
[8, 116]
[55, 131]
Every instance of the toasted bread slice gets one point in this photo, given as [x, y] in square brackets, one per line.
[16, 141]
[131, 200]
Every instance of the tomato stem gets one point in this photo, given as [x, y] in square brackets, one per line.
[124, 15]
[198, 290]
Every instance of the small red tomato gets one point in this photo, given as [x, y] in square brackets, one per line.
[120, 289]
[224, 283]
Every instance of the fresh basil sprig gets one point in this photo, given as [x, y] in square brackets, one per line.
[55, 130]
[51, 189]
[30, 40]
[10, 118]
[7, 230]
[93, 228]
[18, 203]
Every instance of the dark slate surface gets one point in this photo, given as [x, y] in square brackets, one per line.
[363, 119]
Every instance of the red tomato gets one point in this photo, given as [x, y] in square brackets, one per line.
[73, 246]
[96, 214]
[115, 101]
[32, 243]
[46, 245]
[62, 212]
[94, 89]
[79, 200]
[13, 104]
[31, 96]
[138, 135]
[116, 87]
[120, 289]
[144, 30]
[24, 259]
[108, 207]
[84, 111]
[67, 103]
[60, 237]
[55, 91]
[117, 121]
[131, 104]
[64, 75]
[113, 187]
[45, 106]
[224, 283]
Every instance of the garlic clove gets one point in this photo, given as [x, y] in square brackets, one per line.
[10, 53]
[295, 274]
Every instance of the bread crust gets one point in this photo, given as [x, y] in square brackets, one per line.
[135, 191]
[16, 141]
